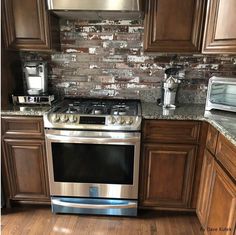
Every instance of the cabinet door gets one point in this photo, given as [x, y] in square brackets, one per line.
[26, 25]
[25, 163]
[226, 154]
[167, 175]
[212, 137]
[220, 30]
[205, 188]
[222, 209]
[171, 26]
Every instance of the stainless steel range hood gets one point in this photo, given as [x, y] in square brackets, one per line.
[97, 9]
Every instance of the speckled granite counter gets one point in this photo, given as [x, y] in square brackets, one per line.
[225, 122]
[25, 110]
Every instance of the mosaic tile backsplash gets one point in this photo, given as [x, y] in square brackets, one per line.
[106, 58]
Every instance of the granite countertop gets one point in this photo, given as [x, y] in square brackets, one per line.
[17, 110]
[225, 122]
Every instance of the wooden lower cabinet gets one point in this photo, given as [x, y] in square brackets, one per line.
[205, 187]
[167, 175]
[222, 205]
[26, 170]
[216, 207]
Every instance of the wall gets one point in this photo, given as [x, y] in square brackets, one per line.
[11, 76]
[106, 58]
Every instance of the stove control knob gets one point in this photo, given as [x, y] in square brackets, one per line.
[129, 120]
[63, 118]
[55, 118]
[72, 119]
[111, 120]
[120, 120]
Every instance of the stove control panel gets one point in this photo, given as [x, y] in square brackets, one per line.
[78, 121]
[112, 120]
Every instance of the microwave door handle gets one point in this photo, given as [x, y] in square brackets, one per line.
[93, 206]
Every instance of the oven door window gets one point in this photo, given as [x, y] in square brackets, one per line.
[93, 163]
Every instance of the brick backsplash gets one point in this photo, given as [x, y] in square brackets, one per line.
[106, 58]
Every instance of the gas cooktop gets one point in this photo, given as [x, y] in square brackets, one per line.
[97, 114]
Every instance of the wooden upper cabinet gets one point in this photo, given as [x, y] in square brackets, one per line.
[220, 28]
[173, 25]
[27, 25]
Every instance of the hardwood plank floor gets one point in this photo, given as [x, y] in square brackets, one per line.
[40, 221]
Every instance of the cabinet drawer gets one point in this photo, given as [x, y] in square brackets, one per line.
[26, 127]
[212, 136]
[171, 131]
[226, 154]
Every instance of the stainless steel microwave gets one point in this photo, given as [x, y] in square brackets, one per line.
[221, 94]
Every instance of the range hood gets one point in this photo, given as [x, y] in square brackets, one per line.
[97, 9]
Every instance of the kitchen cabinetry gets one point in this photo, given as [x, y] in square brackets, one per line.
[24, 159]
[226, 154]
[173, 27]
[205, 187]
[168, 163]
[222, 205]
[27, 25]
[220, 30]
[216, 207]
[211, 140]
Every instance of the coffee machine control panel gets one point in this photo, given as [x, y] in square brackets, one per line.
[27, 99]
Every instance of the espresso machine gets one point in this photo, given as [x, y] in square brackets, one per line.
[169, 88]
[35, 75]
[35, 84]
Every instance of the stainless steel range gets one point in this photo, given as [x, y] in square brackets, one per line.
[93, 151]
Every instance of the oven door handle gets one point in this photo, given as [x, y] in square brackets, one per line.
[92, 139]
[94, 206]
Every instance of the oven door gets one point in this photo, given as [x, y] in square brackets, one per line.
[93, 164]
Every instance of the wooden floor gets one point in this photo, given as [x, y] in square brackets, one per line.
[40, 220]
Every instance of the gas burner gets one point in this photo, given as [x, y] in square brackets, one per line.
[98, 109]
[73, 108]
[120, 109]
